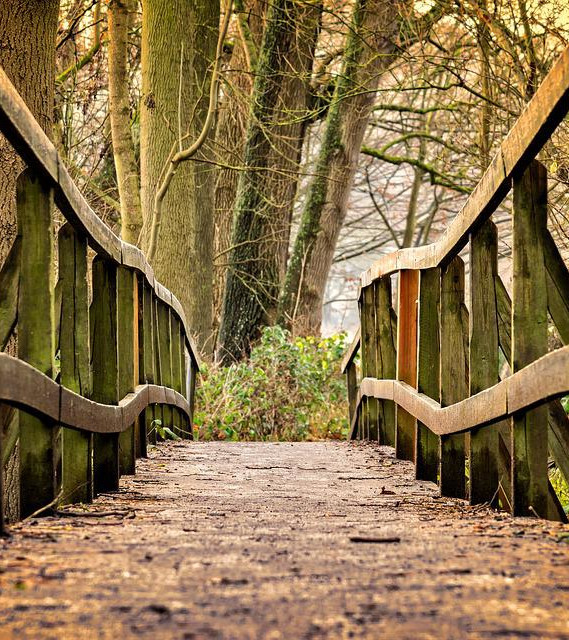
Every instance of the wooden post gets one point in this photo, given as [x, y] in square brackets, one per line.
[127, 320]
[77, 446]
[365, 333]
[352, 382]
[176, 371]
[165, 354]
[529, 338]
[428, 374]
[184, 364]
[36, 337]
[407, 359]
[454, 374]
[386, 332]
[104, 363]
[158, 414]
[484, 365]
[147, 360]
[369, 358]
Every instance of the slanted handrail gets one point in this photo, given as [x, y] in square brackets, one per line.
[430, 360]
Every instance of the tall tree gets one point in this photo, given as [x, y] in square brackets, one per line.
[179, 40]
[119, 13]
[252, 278]
[370, 47]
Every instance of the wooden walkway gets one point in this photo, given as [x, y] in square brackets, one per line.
[259, 540]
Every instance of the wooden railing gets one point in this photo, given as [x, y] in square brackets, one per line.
[430, 367]
[104, 356]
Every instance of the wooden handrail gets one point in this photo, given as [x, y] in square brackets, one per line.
[24, 387]
[352, 351]
[543, 113]
[22, 130]
[538, 383]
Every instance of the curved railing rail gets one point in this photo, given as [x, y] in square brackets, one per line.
[430, 362]
[106, 359]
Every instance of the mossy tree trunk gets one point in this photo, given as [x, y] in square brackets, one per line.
[370, 48]
[179, 39]
[252, 278]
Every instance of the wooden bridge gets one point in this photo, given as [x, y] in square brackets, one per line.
[306, 540]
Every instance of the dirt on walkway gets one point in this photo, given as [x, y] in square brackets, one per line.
[304, 540]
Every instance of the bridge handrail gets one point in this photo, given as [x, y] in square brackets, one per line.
[539, 118]
[430, 368]
[22, 130]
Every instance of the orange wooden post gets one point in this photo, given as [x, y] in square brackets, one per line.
[407, 359]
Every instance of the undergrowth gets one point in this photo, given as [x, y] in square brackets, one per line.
[288, 389]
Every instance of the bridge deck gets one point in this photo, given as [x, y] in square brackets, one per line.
[260, 541]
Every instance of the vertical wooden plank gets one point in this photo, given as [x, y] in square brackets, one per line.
[529, 338]
[352, 383]
[36, 337]
[386, 331]
[165, 350]
[104, 366]
[126, 359]
[157, 410]
[406, 424]
[428, 373]
[484, 364]
[176, 371]
[147, 366]
[454, 374]
[184, 370]
[77, 446]
[365, 331]
[140, 425]
[369, 347]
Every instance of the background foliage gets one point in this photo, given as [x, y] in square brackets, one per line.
[288, 389]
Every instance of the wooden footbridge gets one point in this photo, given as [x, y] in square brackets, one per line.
[313, 540]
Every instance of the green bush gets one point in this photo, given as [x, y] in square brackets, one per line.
[288, 389]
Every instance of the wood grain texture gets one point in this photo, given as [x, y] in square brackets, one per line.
[74, 345]
[529, 338]
[428, 370]
[9, 283]
[454, 374]
[407, 332]
[484, 365]
[386, 336]
[38, 457]
[557, 287]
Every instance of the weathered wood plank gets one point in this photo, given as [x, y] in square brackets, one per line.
[369, 358]
[428, 374]
[36, 338]
[407, 331]
[557, 287]
[9, 283]
[454, 373]
[77, 447]
[104, 363]
[386, 334]
[529, 338]
[127, 381]
[484, 364]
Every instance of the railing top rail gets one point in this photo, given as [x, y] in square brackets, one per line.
[22, 130]
[538, 120]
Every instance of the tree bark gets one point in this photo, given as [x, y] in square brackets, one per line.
[179, 39]
[252, 279]
[119, 110]
[370, 49]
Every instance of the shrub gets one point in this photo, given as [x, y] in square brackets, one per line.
[288, 389]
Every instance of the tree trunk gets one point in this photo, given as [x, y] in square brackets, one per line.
[230, 137]
[179, 39]
[28, 29]
[252, 278]
[370, 47]
[119, 111]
